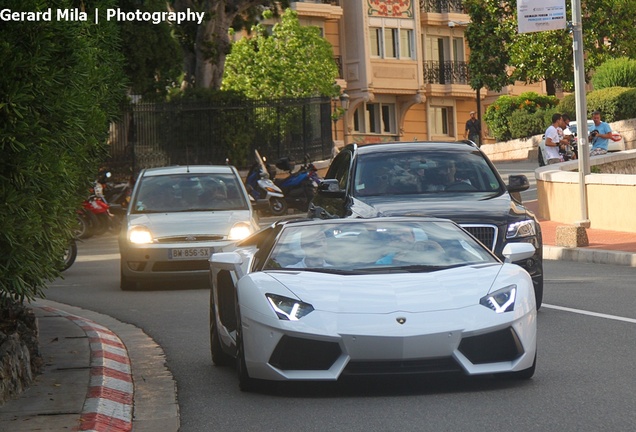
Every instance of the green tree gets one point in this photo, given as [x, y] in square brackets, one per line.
[154, 61]
[546, 56]
[486, 35]
[61, 83]
[295, 61]
[620, 72]
[205, 46]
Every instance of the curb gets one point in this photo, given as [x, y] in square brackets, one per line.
[109, 400]
[597, 256]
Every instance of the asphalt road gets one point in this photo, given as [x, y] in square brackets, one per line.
[584, 379]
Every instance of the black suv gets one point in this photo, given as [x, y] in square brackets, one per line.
[453, 180]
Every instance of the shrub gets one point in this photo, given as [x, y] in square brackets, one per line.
[568, 106]
[610, 102]
[498, 115]
[620, 72]
[525, 125]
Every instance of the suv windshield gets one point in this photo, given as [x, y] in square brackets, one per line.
[405, 173]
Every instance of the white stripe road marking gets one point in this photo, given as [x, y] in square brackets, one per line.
[594, 314]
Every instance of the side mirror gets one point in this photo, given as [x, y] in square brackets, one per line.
[330, 188]
[518, 251]
[231, 261]
[518, 183]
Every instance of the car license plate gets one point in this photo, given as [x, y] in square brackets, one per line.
[189, 253]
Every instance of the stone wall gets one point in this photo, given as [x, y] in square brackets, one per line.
[20, 359]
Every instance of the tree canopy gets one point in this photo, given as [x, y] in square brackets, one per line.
[608, 32]
[205, 46]
[295, 61]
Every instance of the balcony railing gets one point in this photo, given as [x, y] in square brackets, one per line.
[442, 6]
[447, 72]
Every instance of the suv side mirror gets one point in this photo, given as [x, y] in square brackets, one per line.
[518, 183]
[330, 188]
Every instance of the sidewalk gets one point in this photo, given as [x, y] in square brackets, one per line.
[99, 375]
[605, 247]
[104, 375]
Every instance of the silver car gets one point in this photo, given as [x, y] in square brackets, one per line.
[178, 217]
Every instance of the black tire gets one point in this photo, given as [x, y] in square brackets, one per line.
[69, 255]
[245, 382]
[103, 224]
[83, 227]
[219, 357]
[540, 157]
[525, 374]
[538, 291]
[277, 206]
[126, 284]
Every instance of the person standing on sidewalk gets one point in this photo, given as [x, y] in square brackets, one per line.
[600, 139]
[473, 129]
[553, 139]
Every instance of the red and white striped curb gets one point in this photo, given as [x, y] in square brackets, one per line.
[109, 401]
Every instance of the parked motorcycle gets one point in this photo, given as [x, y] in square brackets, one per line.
[116, 195]
[260, 187]
[299, 187]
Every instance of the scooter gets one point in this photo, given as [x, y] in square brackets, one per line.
[261, 187]
[299, 187]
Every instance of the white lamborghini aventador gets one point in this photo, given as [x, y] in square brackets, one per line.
[319, 299]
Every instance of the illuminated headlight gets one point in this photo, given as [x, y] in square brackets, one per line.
[288, 309]
[239, 231]
[519, 229]
[502, 300]
[140, 235]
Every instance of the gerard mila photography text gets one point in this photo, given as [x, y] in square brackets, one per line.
[8, 15]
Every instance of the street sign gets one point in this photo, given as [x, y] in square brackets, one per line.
[540, 15]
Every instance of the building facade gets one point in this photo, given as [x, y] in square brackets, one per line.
[404, 67]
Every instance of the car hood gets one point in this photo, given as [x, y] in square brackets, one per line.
[387, 293]
[461, 208]
[184, 223]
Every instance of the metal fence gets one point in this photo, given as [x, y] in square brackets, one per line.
[179, 133]
[447, 72]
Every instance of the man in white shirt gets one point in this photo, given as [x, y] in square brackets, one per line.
[553, 140]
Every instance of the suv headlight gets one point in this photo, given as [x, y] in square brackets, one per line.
[288, 309]
[139, 235]
[525, 228]
[502, 300]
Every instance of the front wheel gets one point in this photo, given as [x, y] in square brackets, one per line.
[277, 206]
[70, 253]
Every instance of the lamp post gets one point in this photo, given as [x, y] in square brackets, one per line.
[344, 103]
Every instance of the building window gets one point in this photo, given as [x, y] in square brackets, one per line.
[375, 42]
[441, 121]
[395, 43]
[375, 118]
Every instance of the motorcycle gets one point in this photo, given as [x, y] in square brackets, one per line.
[261, 188]
[299, 187]
[116, 195]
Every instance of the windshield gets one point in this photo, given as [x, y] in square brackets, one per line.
[189, 192]
[376, 246]
[423, 172]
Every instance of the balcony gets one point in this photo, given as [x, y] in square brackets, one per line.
[447, 72]
[324, 9]
[442, 6]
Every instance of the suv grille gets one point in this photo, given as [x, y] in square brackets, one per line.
[487, 234]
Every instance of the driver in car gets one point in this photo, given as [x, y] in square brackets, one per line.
[446, 176]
